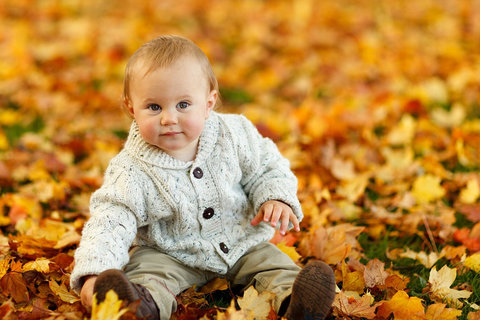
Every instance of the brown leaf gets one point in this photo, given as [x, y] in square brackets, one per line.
[15, 286]
[351, 307]
[375, 273]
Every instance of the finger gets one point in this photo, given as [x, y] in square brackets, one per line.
[257, 219]
[277, 213]
[267, 212]
[296, 224]
[284, 226]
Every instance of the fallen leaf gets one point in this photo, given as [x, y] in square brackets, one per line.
[289, 251]
[470, 193]
[441, 281]
[14, 285]
[427, 188]
[403, 307]
[375, 274]
[438, 311]
[345, 306]
[428, 260]
[254, 305]
[40, 265]
[64, 294]
[473, 262]
[109, 309]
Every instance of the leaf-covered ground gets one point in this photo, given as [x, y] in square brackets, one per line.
[376, 104]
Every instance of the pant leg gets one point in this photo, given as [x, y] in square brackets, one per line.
[164, 277]
[268, 269]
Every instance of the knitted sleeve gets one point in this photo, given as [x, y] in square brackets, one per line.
[116, 209]
[266, 174]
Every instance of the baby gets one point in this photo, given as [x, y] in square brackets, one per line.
[199, 193]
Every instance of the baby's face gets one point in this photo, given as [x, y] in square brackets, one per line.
[171, 105]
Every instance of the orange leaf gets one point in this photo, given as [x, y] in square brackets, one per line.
[14, 285]
[403, 307]
[439, 312]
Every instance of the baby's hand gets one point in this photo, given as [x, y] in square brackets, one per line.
[272, 211]
[86, 293]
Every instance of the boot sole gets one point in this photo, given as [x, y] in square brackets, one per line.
[306, 290]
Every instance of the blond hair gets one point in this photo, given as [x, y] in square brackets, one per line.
[162, 52]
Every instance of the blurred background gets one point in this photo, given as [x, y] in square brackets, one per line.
[375, 103]
[283, 63]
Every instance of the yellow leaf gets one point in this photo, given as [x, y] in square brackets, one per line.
[441, 281]
[403, 132]
[109, 309]
[353, 281]
[449, 119]
[473, 262]
[438, 311]
[40, 265]
[62, 292]
[254, 305]
[290, 251]
[4, 265]
[427, 188]
[471, 192]
[427, 260]
[403, 307]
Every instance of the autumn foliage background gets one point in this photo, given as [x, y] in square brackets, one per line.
[376, 104]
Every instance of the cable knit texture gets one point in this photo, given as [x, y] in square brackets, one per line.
[160, 201]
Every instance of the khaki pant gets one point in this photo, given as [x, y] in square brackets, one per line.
[264, 266]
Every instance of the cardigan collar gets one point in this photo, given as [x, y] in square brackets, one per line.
[143, 151]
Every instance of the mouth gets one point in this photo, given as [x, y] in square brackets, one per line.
[169, 134]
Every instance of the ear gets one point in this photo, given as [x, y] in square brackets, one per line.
[127, 104]
[211, 101]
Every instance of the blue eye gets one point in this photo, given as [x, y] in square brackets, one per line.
[154, 107]
[183, 105]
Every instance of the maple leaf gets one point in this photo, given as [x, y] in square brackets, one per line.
[14, 285]
[375, 274]
[290, 251]
[62, 292]
[438, 311]
[254, 305]
[4, 266]
[332, 244]
[427, 188]
[473, 262]
[109, 309]
[345, 306]
[403, 307]
[427, 260]
[441, 281]
[470, 193]
[40, 265]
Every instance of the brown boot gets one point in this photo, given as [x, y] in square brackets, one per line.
[116, 280]
[312, 293]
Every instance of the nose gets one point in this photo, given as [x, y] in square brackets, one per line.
[168, 117]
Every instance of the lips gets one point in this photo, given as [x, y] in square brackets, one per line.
[170, 133]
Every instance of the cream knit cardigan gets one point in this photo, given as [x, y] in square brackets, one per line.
[198, 212]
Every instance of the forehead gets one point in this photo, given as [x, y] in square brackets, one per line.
[187, 64]
[183, 73]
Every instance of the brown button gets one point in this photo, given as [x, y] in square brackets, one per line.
[208, 213]
[223, 247]
[197, 173]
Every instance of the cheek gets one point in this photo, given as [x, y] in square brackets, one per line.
[194, 125]
[147, 128]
